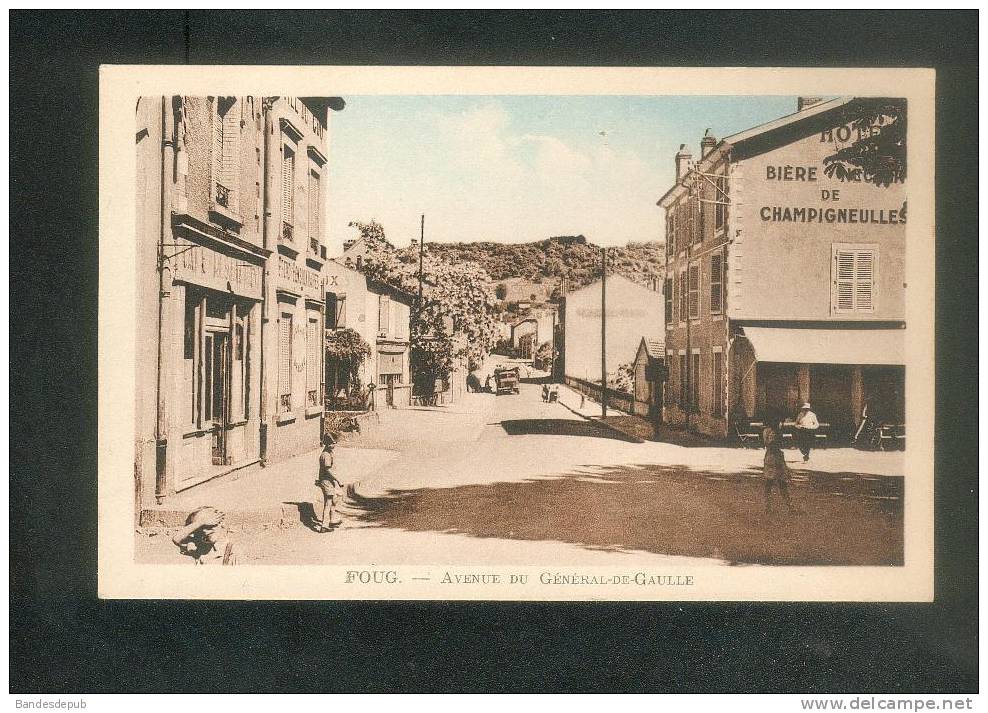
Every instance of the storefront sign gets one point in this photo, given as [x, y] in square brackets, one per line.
[201, 266]
[305, 280]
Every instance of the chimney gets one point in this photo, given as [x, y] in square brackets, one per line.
[683, 159]
[415, 242]
[707, 143]
[347, 244]
[806, 102]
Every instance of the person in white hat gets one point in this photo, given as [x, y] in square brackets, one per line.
[806, 428]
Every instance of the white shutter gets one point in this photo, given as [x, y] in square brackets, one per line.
[384, 314]
[313, 204]
[312, 354]
[285, 357]
[288, 186]
[844, 282]
[864, 280]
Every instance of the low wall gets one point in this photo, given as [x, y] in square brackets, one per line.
[617, 399]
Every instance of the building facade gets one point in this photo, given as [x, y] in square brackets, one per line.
[783, 285]
[217, 273]
[381, 315]
[632, 311]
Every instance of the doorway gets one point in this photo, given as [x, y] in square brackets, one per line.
[217, 390]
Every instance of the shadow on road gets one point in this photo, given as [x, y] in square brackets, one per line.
[845, 518]
[561, 427]
[306, 514]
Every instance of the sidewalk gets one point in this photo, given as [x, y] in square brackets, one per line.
[708, 454]
[275, 495]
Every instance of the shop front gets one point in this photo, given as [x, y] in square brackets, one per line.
[841, 372]
[210, 370]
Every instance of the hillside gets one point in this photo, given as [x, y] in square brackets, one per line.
[525, 266]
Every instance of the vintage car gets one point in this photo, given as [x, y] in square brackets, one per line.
[506, 381]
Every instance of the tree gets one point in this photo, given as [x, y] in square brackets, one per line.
[878, 155]
[346, 351]
[456, 320]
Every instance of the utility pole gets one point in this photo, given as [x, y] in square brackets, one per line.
[603, 332]
[421, 253]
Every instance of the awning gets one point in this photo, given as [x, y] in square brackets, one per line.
[828, 346]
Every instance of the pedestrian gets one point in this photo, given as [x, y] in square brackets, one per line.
[806, 428]
[775, 470]
[331, 489]
[487, 384]
[545, 393]
[205, 539]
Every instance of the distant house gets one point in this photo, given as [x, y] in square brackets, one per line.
[649, 370]
[524, 336]
[381, 314]
[633, 311]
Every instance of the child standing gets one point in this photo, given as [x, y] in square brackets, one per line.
[775, 470]
[205, 538]
[331, 488]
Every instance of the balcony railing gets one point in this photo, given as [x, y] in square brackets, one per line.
[287, 231]
[222, 195]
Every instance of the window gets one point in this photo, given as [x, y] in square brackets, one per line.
[288, 193]
[335, 311]
[683, 295]
[701, 210]
[682, 381]
[671, 231]
[694, 381]
[313, 201]
[694, 291]
[717, 384]
[720, 209]
[312, 366]
[716, 283]
[285, 363]
[383, 315]
[226, 138]
[190, 365]
[855, 268]
[667, 292]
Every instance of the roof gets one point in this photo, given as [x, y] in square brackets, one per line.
[765, 137]
[387, 288]
[828, 346]
[654, 348]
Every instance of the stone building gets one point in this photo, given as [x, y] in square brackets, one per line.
[783, 285]
[217, 274]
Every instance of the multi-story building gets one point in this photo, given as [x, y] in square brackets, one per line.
[632, 311]
[783, 284]
[381, 315]
[227, 295]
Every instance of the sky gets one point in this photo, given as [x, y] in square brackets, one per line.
[519, 168]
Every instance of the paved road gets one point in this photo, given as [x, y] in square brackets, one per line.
[511, 480]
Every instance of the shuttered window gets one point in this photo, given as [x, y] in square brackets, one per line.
[717, 385]
[313, 200]
[312, 349]
[671, 231]
[285, 363]
[855, 270]
[226, 139]
[716, 283]
[720, 210]
[288, 186]
[683, 295]
[384, 315]
[667, 292]
[694, 291]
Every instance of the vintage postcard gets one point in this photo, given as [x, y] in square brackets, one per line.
[488, 333]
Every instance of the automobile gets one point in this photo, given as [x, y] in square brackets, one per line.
[506, 380]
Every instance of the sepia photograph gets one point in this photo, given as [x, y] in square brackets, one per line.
[524, 345]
